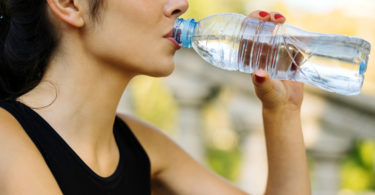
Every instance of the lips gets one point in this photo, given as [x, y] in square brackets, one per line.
[170, 34]
[170, 37]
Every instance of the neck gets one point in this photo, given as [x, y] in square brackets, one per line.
[78, 97]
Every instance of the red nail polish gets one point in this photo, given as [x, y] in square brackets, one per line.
[277, 16]
[263, 14]
[259, 79]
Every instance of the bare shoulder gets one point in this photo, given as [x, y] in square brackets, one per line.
[159, 147]
[22, 168]
[173, 170]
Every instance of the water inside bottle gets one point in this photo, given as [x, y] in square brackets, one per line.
[280, 60]
[334, 63]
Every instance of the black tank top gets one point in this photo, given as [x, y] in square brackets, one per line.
[132, 175]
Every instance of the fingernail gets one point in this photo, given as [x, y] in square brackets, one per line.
[277, 16]
[263, 14]
[259, 78]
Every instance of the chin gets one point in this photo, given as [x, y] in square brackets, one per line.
[163, 70]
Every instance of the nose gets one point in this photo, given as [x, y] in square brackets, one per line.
[175, 8]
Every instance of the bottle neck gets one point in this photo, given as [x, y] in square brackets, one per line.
[184, 31]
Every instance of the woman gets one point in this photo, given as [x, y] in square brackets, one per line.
[64, 67]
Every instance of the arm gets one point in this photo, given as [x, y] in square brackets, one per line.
[288, 173]
[173, 171]
[281, 101]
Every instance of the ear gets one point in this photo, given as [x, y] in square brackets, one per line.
[70, 11]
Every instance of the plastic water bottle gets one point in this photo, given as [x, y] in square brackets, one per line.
[332, 62]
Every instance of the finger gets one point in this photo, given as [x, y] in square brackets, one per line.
[261, 82]
[261, 15]
[277, 17]
[264, 85]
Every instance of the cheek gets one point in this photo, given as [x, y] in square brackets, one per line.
[155, 61]
[136, 13]
[133, 55]
[128, 37]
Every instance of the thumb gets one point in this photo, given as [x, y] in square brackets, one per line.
[262, 82]
[266, 88]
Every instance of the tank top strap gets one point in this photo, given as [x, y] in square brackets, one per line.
[132, 175]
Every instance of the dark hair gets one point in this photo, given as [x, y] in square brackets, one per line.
[27, 42]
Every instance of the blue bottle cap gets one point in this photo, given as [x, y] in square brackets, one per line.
[363, 67]
[184, 31]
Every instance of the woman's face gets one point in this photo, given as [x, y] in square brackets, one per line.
[131, 34]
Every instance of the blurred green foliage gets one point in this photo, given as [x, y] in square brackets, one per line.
[154, 103]
[357, 171]
[226, 163]
[224, 155]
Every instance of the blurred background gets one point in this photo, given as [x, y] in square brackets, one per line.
[216, 117]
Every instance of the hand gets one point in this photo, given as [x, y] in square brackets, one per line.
[276, 94]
